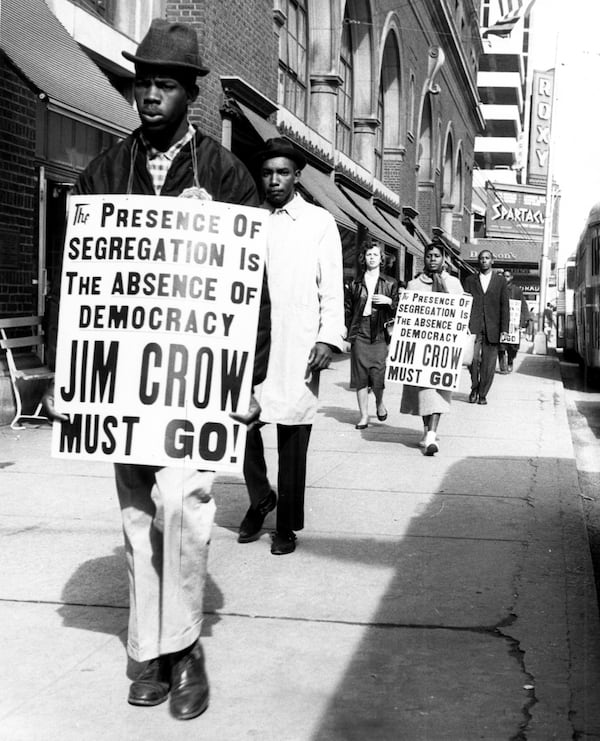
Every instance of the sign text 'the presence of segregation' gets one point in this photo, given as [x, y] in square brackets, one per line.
[428, 339]
[157, 329]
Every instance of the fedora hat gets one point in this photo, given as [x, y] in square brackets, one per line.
[169, 45]
[280, 147]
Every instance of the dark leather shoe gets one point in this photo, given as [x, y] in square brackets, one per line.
[482, 400]
[283, 543]
[473, 397]
[189, 684]
[253, 521]
[152, 685]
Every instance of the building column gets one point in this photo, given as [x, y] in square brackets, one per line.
[363, 147]
[447, 221]
[323, 104]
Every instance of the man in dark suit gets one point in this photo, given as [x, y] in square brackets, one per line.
[508, 352]
[489, 318]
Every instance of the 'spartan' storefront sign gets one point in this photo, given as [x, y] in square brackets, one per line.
[516, 212]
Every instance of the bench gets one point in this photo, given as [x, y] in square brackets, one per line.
[22, 339]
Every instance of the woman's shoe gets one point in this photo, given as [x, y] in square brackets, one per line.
[361, 427]
[382, 417]
[431, 445]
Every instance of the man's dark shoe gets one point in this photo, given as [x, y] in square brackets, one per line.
[482, 400]
[253, 521]
[473, 397]
[283, 543]
[189, 683]
[152, 685]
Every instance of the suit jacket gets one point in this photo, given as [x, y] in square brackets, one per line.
[490, 310]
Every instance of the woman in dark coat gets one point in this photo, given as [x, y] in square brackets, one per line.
[371, 302]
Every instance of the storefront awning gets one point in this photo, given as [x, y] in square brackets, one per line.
[393, 234]
[320, 187]
[412, 245]
[324, 191]
[36, 42]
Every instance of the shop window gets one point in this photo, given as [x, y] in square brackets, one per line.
[344, 98]
[103, 8]
[293, 43]
[379, 135]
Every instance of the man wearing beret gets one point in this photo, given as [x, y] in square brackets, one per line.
[304, 269]
[168, 512]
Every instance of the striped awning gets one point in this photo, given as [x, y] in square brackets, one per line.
[37, 44]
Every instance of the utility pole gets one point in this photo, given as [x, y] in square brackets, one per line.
[540, 344]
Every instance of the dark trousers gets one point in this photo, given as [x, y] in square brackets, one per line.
[485, 355]
[292, 448]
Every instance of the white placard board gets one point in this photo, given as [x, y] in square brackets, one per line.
[428, 338]
[512, 337]
[157, 330]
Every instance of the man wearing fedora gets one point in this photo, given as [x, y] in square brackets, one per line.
[168, 512]
[304, 270]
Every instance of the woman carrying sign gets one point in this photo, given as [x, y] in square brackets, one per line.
[371, 301]
[430, 403]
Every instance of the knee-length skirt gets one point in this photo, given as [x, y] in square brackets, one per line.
[367, 359]
[424, 401]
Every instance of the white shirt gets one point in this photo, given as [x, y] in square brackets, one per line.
[371, 277]
[484, 279]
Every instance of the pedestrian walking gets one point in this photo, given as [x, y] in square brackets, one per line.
[168, 512]
[489, 318]
[430, 403]
[508, 350]
[304, 268]
[370, 305]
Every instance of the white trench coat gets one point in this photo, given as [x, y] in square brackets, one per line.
[305, 277]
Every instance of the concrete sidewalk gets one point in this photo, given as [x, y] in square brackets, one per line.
[429, 598]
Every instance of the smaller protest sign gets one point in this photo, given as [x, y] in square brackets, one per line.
[512, 337]
[428, 339]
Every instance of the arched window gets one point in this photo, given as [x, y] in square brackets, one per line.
[344, 98]
[459, 193]
[380, 134]
[426, 143]
[389, 102]
[448, 176]
[410, 124]
[293, 43]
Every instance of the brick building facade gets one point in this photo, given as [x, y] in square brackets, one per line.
[18, 179]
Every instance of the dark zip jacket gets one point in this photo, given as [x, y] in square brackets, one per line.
[356, 298]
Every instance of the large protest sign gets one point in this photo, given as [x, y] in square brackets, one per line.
[428, 339]
[157, 330]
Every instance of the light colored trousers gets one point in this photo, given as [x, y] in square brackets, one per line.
[167, 519]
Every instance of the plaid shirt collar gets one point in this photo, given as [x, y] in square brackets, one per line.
[173, 150]
[158, 162]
